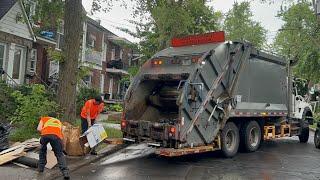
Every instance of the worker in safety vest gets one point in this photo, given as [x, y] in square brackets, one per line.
[90, 111]
[51, 132]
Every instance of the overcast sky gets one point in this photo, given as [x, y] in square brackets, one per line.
[118, 16]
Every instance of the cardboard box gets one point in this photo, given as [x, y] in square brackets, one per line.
[95, 134]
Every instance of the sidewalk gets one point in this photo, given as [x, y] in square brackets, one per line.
[11, 171]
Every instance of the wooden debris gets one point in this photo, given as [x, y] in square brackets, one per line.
[12, 155]
[51, 160]
[21, 165]
[10, 149]
[116, 141]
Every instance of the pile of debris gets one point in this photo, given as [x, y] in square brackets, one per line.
[26, 155]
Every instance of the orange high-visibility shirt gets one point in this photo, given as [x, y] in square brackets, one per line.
[92, 108]
[51, 126]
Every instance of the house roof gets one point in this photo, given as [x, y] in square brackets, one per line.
[5, 6]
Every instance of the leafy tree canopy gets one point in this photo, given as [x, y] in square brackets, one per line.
[299, 39]
[239, 25]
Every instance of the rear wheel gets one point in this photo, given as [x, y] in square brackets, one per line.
[317, 138]
[230, 140]
[250, 135]
[304, 135]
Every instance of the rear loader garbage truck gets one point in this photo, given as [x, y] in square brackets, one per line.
[204, 94]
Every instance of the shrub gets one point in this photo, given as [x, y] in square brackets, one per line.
[7, 102]
[31, 106]
[115, 107]
[85, 94]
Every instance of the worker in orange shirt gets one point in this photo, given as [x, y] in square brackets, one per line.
[51, 132]
[90, 111]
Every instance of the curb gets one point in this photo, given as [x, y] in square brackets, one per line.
[55, 173]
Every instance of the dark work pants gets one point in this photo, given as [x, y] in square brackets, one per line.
[84, 124]
[57, 148]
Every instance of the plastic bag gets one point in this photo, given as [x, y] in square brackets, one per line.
[4, 136]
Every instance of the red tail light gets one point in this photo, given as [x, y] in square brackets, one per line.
[172, 130]
[123, 124]
[123, 121]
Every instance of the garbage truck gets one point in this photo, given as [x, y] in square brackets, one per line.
[205, 93]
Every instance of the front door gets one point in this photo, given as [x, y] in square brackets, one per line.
[16, 67]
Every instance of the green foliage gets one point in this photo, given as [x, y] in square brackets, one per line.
[113, 133]
[30, 107]
[21, 134]
[133, 70]
[55, 55]
[7, 102]
[115, 107]
[171, 19]
[48, 13]
[85, 94]
[239, 25]
[299, 39]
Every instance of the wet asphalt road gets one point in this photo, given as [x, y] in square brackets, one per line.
[280, 159]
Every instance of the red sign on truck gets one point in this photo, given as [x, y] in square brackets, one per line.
[213, 37]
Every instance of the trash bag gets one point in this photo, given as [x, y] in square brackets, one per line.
[4, 136]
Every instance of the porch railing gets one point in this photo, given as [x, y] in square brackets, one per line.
[4, 76]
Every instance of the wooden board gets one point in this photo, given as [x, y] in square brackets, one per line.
[21, 165]
[10, 149]
[12, 155]
[51, 160]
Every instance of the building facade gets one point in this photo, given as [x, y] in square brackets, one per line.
[108, 57]
[17, 55]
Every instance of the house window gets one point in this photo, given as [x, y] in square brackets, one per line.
[2, 55]
[91, 41]
[60, 36]
[121, 53]
[33, 60]
[102, 83]
[105, 47]
[113, 54]
[87, 80]
[16, 63]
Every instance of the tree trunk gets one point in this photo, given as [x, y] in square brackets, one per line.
[69, 66]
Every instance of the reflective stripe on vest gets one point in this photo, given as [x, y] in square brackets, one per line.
[52, 122]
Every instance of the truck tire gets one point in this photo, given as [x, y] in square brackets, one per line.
[317, 138]
[250, 136]
[230, 140]
[304, 135]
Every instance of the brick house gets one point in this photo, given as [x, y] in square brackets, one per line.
[17, 55]
[108, 58]
[24, 55]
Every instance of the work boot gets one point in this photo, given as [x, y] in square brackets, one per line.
[40, 170]
[93, 152]
[66, 175]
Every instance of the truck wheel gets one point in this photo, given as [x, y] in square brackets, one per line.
[230, 140]
[250, 135]
[304, 135]
[317, 139]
